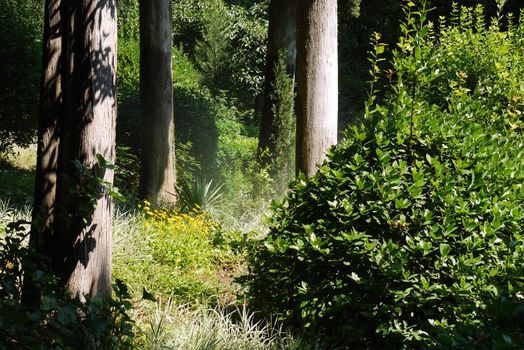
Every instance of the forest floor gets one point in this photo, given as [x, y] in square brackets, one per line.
[187, 261]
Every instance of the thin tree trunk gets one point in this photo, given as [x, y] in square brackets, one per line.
[317, 82]
[281, 41]
[157, 181]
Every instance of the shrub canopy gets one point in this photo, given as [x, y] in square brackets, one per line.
[410, 234]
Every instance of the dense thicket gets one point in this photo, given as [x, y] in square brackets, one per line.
[410, 235]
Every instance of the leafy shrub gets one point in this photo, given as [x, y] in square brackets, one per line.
[58, 322]
[227, 43]
[470, 61]
[396, 241]
[410, 235]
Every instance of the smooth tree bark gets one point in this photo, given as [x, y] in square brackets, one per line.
[157, 180]
[317, 82]
[282, 40]
[76, 144]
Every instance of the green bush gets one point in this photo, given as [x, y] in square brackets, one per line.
[58, 322]
[410, 234]
[398, 241]
[469, 61]
[227, 42]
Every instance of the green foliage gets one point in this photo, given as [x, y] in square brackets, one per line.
[211, 52]
[20, 54]
[248, 45]
[185, 75]
[284, 126]
[188, 22]
[398, 241]
[128, 20]
[17, 185]
[483, 75]
[174, 254]
[410, 235]
[359, 19]
[227, 43]
[199, 195]
[58, 322]
[129, 67]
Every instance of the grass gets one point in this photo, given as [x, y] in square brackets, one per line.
[22, 158]
[186, 256]
[171, 326]
[17, 176]
[9, 213]
[188, 262]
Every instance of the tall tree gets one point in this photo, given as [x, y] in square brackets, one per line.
[50, 113]
[157, 181]
[317, 82]
[73, 210]
[277, 110]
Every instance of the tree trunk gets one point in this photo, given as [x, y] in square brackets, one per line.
[281, 41]
[89, 126]
[317, 82]
[157, 181]
[50, 112]
[72, 223]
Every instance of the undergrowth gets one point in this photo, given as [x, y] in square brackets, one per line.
[184, 255]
